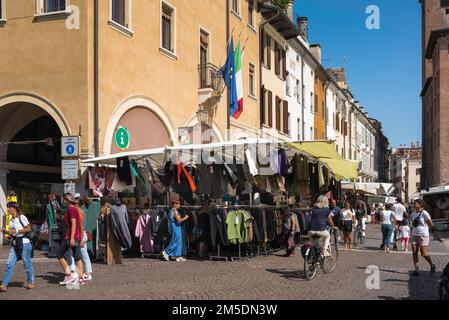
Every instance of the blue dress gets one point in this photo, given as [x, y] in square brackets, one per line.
[174, 249]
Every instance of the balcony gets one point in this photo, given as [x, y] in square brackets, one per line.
[211, 85]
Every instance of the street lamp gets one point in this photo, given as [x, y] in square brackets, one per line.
[202, 115]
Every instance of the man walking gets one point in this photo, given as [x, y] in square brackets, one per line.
[399, 213]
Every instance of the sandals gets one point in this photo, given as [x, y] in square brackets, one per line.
[30, 286]
[3, 288]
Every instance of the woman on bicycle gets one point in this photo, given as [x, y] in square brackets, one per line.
[321, 217]
[348, 221]
[361, 215]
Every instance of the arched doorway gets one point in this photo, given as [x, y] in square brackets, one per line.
[30, 159]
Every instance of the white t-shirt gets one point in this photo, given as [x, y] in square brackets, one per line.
[405, 232]
[423, 229]
[15, 224]
[347, 214]
[399, 211]
[386, 216]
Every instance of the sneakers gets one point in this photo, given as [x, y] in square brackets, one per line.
[87, 277]
[165, 255]
[3, 288]
[80, 281]
[180, 259]
[69, 279]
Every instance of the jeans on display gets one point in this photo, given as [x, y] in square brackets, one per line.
[12, 260]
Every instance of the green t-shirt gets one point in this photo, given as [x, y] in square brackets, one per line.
[234, 223]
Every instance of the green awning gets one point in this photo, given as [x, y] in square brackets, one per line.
[326, 153]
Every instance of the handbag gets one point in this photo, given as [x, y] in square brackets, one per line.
[89, 236]
[415, 223]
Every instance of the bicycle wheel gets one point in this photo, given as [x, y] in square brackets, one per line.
[330, 263]
[310, 267]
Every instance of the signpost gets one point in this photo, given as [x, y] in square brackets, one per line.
[70, 147]
[122, 138]
[69, 188]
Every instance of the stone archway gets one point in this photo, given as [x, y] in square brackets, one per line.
[149, 125]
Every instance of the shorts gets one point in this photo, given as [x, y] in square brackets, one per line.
[347, 225]
[420, 241]
[76, 251]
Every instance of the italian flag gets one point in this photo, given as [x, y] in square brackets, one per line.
[238, 55]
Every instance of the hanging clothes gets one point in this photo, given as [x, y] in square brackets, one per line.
[218, 231]
[284, 164]
[124, 170]
[118, 185]
[274, 161]
[145, 233]
[120, 223]
[251, 163]
[213, 180]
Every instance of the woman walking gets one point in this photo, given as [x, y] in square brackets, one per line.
[361, 215]
[21, 249]
[348, 222]
[388, 221]
[421, 222]
[72, 241]
[174, 249]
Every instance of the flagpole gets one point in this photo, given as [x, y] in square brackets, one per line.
[228, 118]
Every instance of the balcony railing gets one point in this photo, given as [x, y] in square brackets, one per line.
[210, 77]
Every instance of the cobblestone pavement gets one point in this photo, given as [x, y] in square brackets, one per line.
[272, 277]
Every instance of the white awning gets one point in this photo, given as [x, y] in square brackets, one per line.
[111, 159]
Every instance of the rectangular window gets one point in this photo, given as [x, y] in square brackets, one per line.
[48, 6]
[337, 122]
[2, 10]
[323, 114]
[316, 103]
[168, 28]
[235, 6]
[251, 13]
[311, 102]
[311, 133]
[252, 80]
[277, 59]
[298, 91]
[299, 129]
[278, 113]
[444, 3]
[204, 59]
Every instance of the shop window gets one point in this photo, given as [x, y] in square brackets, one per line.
[168, 28]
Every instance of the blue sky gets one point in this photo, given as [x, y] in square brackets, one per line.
[383, 66]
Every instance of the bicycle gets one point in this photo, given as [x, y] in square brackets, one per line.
[358, 233]
[314, 256]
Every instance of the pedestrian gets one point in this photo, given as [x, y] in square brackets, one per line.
[83, 245]
[421, 222]
[72, 241]
[405, 235]
[289, 229]
[377, 213]
[336, 215]
[321, 218]
[21, 248]
[174, 249]
[388, 220]
[348, 222]
[361, 215]
[400, 212]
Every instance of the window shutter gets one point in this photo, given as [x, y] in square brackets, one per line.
[263, 100]
[264, 49]
[268, 52]
[270, 109]
[278, 114]
[286, 117]
[284, 64]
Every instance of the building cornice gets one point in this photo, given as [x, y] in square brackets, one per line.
[434, 36]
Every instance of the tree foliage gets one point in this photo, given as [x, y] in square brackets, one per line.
[282, 3]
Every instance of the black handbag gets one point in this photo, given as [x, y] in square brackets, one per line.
[415, 223]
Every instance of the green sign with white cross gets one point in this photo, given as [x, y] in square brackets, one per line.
[122, 138]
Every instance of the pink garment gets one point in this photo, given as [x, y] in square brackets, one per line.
[144, 233]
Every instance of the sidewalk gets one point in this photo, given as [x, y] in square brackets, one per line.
[443, 236]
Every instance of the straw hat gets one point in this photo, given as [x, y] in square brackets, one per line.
[70, 198]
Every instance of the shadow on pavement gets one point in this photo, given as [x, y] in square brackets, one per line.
[53, 277]
[424, 286]
[16, 284]
[288, 274]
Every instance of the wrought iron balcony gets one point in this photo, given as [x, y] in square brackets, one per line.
[211, 85]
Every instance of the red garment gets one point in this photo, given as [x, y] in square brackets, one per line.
[181, 169]
[72, 213]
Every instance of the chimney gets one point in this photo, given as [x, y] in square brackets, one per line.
[290, 7]
[315, 49]
[301, 23]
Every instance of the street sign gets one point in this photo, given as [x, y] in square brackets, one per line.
[70, 169]
[69, 188]
[70, 147]
[122, 138]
